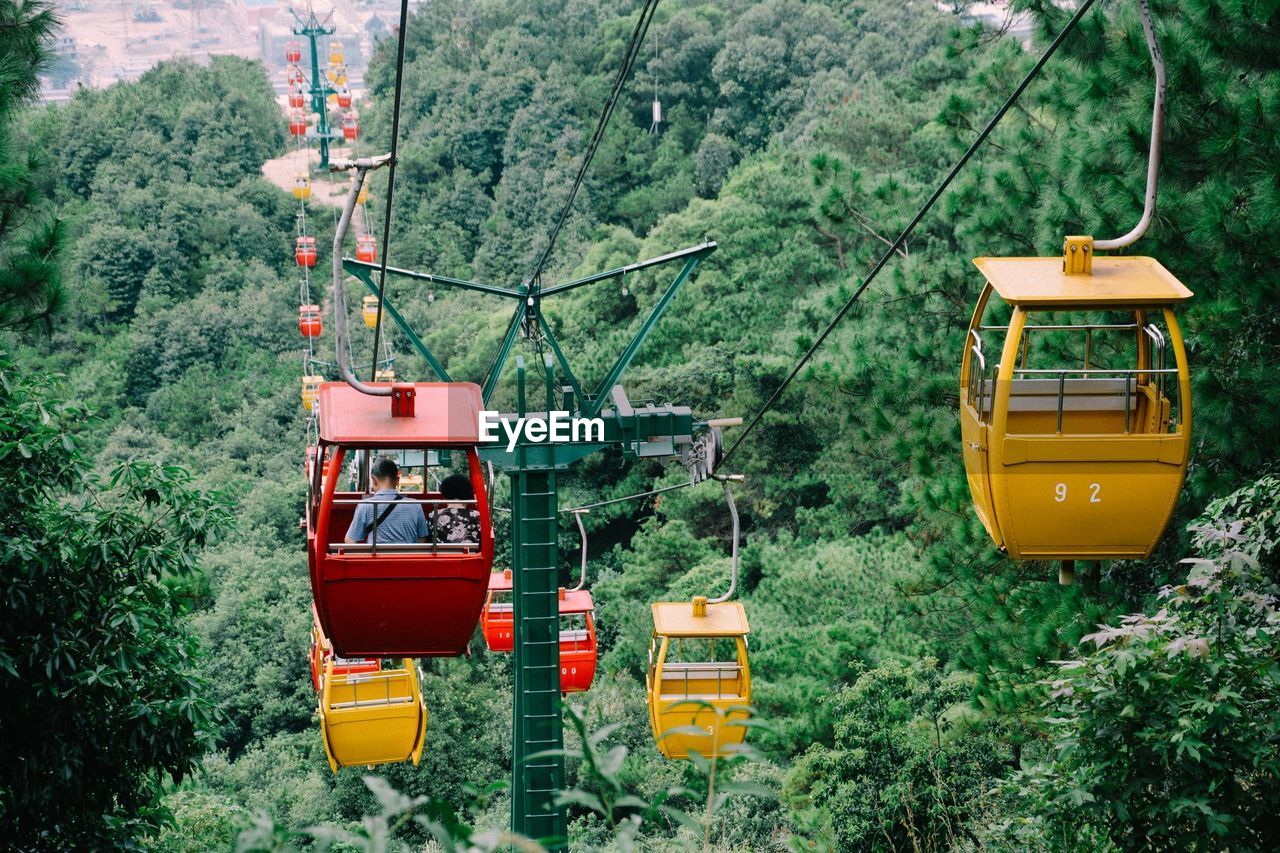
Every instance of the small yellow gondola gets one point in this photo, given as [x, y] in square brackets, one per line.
[372, 718]
[302, 186]
[699, 677]
[310, 391]
[1076, 441]
[369, 311]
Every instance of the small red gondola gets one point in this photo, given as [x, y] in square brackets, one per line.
[309, 322]
[292, 52]
[294, 75]
[297, 97]
[322, 651]
[298, 123]
[304, 251]
[577, 644]
[366, 248]
[344, 97]
[395, 600]
[496, 620]
[350, 125]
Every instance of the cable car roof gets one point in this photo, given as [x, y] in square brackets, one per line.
[576, 601]
[1122, 281]
[676, 619]
[500, 581]
[445, 413]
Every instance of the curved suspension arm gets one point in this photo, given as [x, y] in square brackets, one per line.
[1157, 132]
[342, 344]
[733, 513]
[582, 533]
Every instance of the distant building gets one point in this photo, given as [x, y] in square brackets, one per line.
[254, 12]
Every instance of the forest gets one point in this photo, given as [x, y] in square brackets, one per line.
[914, 690]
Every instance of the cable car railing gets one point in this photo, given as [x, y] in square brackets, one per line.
[373, 546]
[370, 681]
[981, 380]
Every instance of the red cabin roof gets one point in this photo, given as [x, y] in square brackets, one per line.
[445, 413]
[576, 601]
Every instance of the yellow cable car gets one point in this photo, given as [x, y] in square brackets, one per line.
[302, 186]
[369, 311]
[385, 375]
[370, 718]
[310, 391]
[336, 53]
[1076, 441]
[699, 677]
[362, 197]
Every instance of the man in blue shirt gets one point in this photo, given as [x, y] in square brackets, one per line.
[399, 522]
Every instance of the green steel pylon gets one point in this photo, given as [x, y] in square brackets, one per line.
[537, 770]
[313, 28]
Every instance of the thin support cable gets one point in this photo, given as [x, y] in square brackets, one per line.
[911, 226]
[391, 182]
[733, 513]
[635, 497]
[582, 534]
[1157, 134]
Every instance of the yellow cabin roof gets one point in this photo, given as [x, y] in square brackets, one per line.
[676, 619]
[1123, 281]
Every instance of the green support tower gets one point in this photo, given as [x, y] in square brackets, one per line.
[312, 28]
[532, 465]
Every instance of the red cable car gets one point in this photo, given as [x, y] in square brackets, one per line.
[297, 97]
[292, 52]
[366, 248]
[304, 251]
[321, 652]
[577, 644]
[309, 322]
[396, 599]
[350, 125]
[496, 620]
[294, 75]
[298, 123]
[344, 97]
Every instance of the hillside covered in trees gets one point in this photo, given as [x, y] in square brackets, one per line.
[916, 690]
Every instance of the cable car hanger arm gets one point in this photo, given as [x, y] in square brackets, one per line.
[362, 167]
[1157, 132]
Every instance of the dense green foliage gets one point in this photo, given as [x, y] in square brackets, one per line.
[906, 673]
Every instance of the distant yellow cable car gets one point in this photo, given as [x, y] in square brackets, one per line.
[310, 391]
[370, 718]
[369, 311]
[411, 484]
[699, 677]
[302, 186]
[337, 54]
[1076, 439]
[362, 197]
[385, 375]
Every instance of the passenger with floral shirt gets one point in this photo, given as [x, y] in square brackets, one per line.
[457, 522]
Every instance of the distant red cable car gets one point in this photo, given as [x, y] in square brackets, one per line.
[297, 97]
[350, 125]
[304, 251]
[366, 248]
[292, 52]
[577, 644]
[344, 97]
[298, 123]
[396, 599]
[496, 619]
[321, 652]
[309, 322]
[294, 75]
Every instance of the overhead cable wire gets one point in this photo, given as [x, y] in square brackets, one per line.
[391, 182]
[911, 226]
[628, 60]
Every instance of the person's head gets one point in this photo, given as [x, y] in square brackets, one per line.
[385, 473]
[456, 487]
